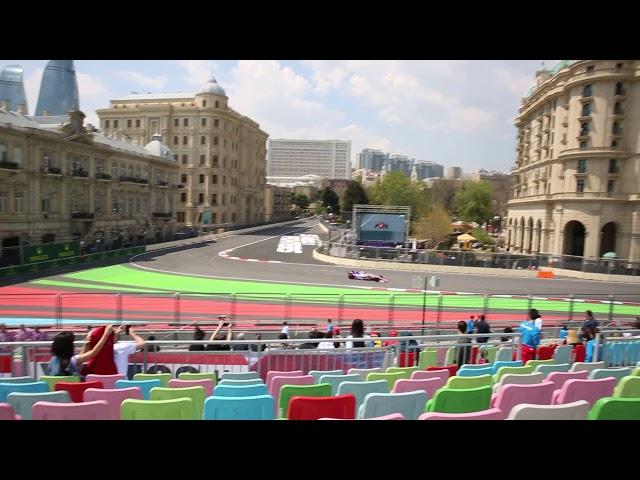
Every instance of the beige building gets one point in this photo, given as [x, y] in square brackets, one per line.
[453, 173]
[277, 202]
[221, 153]
[575, 181]
[61, 181]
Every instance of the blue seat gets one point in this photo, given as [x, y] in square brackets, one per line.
[144, 385]
[634, 353]
[362, 389]
[616, 353]
[410, 404]
[475, 372]
[240, 376]
[617, 373]
[562, 354]
[240, 390]
[17, 380]
[22, 402]
[505, 354]
[336, 380]
[474, 365]
[33, 387]
[316, 374]
[555, 367]
[259, 407]
[502, 363]
[241, 383]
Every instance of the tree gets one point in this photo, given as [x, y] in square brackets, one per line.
[329, 198]
[354, 195]
[481, 235]
[301, 201]
[434, 226]
[396, 188]
[443, 191]
[473, 202]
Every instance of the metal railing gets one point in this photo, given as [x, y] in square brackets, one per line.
[616, 349]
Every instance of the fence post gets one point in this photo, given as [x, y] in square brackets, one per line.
[596, 351]
[232, 312]
[287, 308]
[530, 299]
[392, 300]
[439, 314]
[58, 310]
[571, 301]
[340, 308]
[119, 307]
[485, 304]
[25, 360]
[176, 308]
[610, 309]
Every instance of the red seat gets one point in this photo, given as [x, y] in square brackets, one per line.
[76, 390]
[406, 359]
[546, 352]
[579, 353]
[314, 408]
[527, 353]
[5, 363]
[474, 354]
[453, 369]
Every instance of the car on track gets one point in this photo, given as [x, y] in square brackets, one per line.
[362, 275]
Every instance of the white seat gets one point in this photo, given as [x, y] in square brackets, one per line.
[568, 411]
[518, 378]
[586, 366]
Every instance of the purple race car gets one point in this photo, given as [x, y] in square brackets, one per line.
[362, 275]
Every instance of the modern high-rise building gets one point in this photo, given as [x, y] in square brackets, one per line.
[372, 160]
[453, 173]
[221, 153]
[399, 163]
[12, 97]
[575, 179]
[58, 89]
[427, 169]
[295, 158]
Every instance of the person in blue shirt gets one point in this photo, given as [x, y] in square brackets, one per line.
[590, 346]
[530, 338]
[564, 332]
[471, 324]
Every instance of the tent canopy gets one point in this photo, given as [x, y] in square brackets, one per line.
[465, 237]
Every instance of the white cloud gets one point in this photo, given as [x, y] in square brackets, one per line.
[361, 138]
[198, 71]
[469, 118]
[515, 82]
[143, 80]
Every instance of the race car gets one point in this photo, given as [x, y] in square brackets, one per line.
[362, 275]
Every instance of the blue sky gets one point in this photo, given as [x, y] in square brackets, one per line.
[457, 113]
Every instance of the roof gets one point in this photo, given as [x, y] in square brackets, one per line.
[120, 144]
[557, 68]
[16, 119]
[156, 96]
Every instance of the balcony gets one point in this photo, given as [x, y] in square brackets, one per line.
[140, 181]
[83, 215]
[52, 170]
[614, 169]
[162, 183]
[102, 176]
[162, 214]
[6, 165]
[80, 173]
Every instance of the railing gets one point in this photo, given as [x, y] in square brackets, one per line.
[141, 181]
[162, 214]
[52, 170]
[9, 165]
[80, 173]
[83, 215]
[617, 348]
[102, 176]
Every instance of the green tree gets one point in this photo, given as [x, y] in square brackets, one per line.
[354, 195]
[443, 191]
[481, 235]
[396, 188]
[434, 226]
[473, 202]
[301, 201]
[329, 198]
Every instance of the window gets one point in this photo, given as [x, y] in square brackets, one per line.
[617, 129]
[45, 205]
[202, 159]
[214, 179]
[204, 103]
[183, 178]
[617, 109]
[19, 202]
[214, 199]
[614, 144]
[185, 140]
[185, 159]
[580, 185]
[106, 124]
[590, 69]
[175, 140]
[137, 123]
[233, 217]
[225, 143]
[180, 217]
[586, 91]
[115, 124]
[619, 65]
[128, 123]
[224, 199]
[610, 185]
[215, 160]
[200, 198]
[216, 122]
[183, 197]
[203, 140]
[17, 155]
[584, 128]
[584, 144]
[619, 88]
[217, 104]
[201, 178]
[586, 110]
[613, 165]
[3, 202]
[185, 122]
[203, 122]
[176, 122]
[582, 166]
[224, 180]
[215, 140]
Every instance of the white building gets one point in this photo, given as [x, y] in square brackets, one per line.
[296, 158]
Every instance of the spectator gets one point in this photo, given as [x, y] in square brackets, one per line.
[572, 337]
[408, 346]
[471, 324]
[482, 326]
[391, 343]
[104, 362]
[537, 319]
[530, 336]
[198, 335]
[589, 323]
[6, 336]
[357, 331]
[40, 336]
[463, 354]
[590, 347]
[262, 346]
[152, 348]
[326, 344]
[313, 334]
[240, 346]
[376, 343]
[122, 349]
[634, 326]
[216, 335]
[24, 334]
[563, 333]
[285, 329]
[282, 336]
[330, 327]
[507, 339]
[64, 362]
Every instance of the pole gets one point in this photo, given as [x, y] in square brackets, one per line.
[424, 303]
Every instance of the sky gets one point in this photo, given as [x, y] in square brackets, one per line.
[456, 113]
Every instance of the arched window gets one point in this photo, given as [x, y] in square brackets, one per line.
[586, 110]
[215, 140]
[217, 104]
[619, 88]
[616, 130]
[584, 144]
[204, 103]
[586, 91]
[203, 140]
[617, 109]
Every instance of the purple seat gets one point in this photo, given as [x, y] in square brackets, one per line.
[274, 373]
[428, 385]
[589, 390]
[204, 383]
[491, 414]
[278, 382]
[113, 396]
[514, 394]
[423, 375]
[559, 378]
[98, 410]
[108, 381]
[7, 413]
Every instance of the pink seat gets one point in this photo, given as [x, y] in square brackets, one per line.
[423, 375]
[278, 382]
[491, 414]
[441, 355]
[114, 398]
[559, 378]
[274, 373]
[393, 416]
[108, 381]
[205, 383]
[514, 394]
[7, 413]
[589, 390]
[98, 410]
[428, 385]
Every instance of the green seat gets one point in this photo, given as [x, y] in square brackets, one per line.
[518, 370]
[52, 380]
[468, 382]
[287, 392]
[636, 372]
[391, 378]
[176, 409]
[199, 376]
[452, 400]
[610, 408]
[535, 363]
[450, 357]
[491, 353]
[163, 377]
[628, 387]
[194, 393]
[428, 358]
[406, 371]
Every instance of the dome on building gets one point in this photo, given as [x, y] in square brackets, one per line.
[212, 87]
[159, 149]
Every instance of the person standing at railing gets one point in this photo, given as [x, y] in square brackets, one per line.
[123, 348]
[590, 346]
[357, 331]
[563, 333]
[6, 336]
[285, 329]
[530, 337]
[537, 319]
[330, 327]
[64, 362]
[471, 324]
[482, 326]
[216, 335]
[590, 323]
[463, 349]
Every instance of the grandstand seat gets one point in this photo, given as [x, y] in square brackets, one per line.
[241, 383]
[468, 366]
[490, 353]
[240, 390]
[361, 389]
[199, 376]
[535, 363]
[287, 392]
[498, 364]
[545, 352]
[410, 404]
[459, 382]
[206, 384]
[560, 378]
[176, 409]
[475, 372]
[336, 380]
[504, 354]
[98, 410]
[260, 407]
[586, 366]
[617, 373]
[363, 372]
[275, 373]
[52, 380]
[316, 374]
[240, 376]
[33, 387]
[76, 390]
[186, 369]
[407, 371]
[589, 390]
[22, 402]
[108, 381]
[194, 393]
[450, 356]
[628, 387]
[314, 408]
[453, 369]
[428, 358]
[513, 370]
[569, 411]
[133, 370]
[514, 394]
[452, 400]
[616, 409]
[278, 382]
[424, 375]
[406, 359]
[393, 416]
[390, 378]
[579, 353]
[556, 367]
[430, 386]
[17, 380]
[144, 385]
[518, 379]
[113, 396]
[7, 412]
[163, 377]
[562, 354]
[490, 414]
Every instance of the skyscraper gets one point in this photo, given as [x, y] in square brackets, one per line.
[371, 159]
[59, 89]
[12, 88]
[294, 158]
